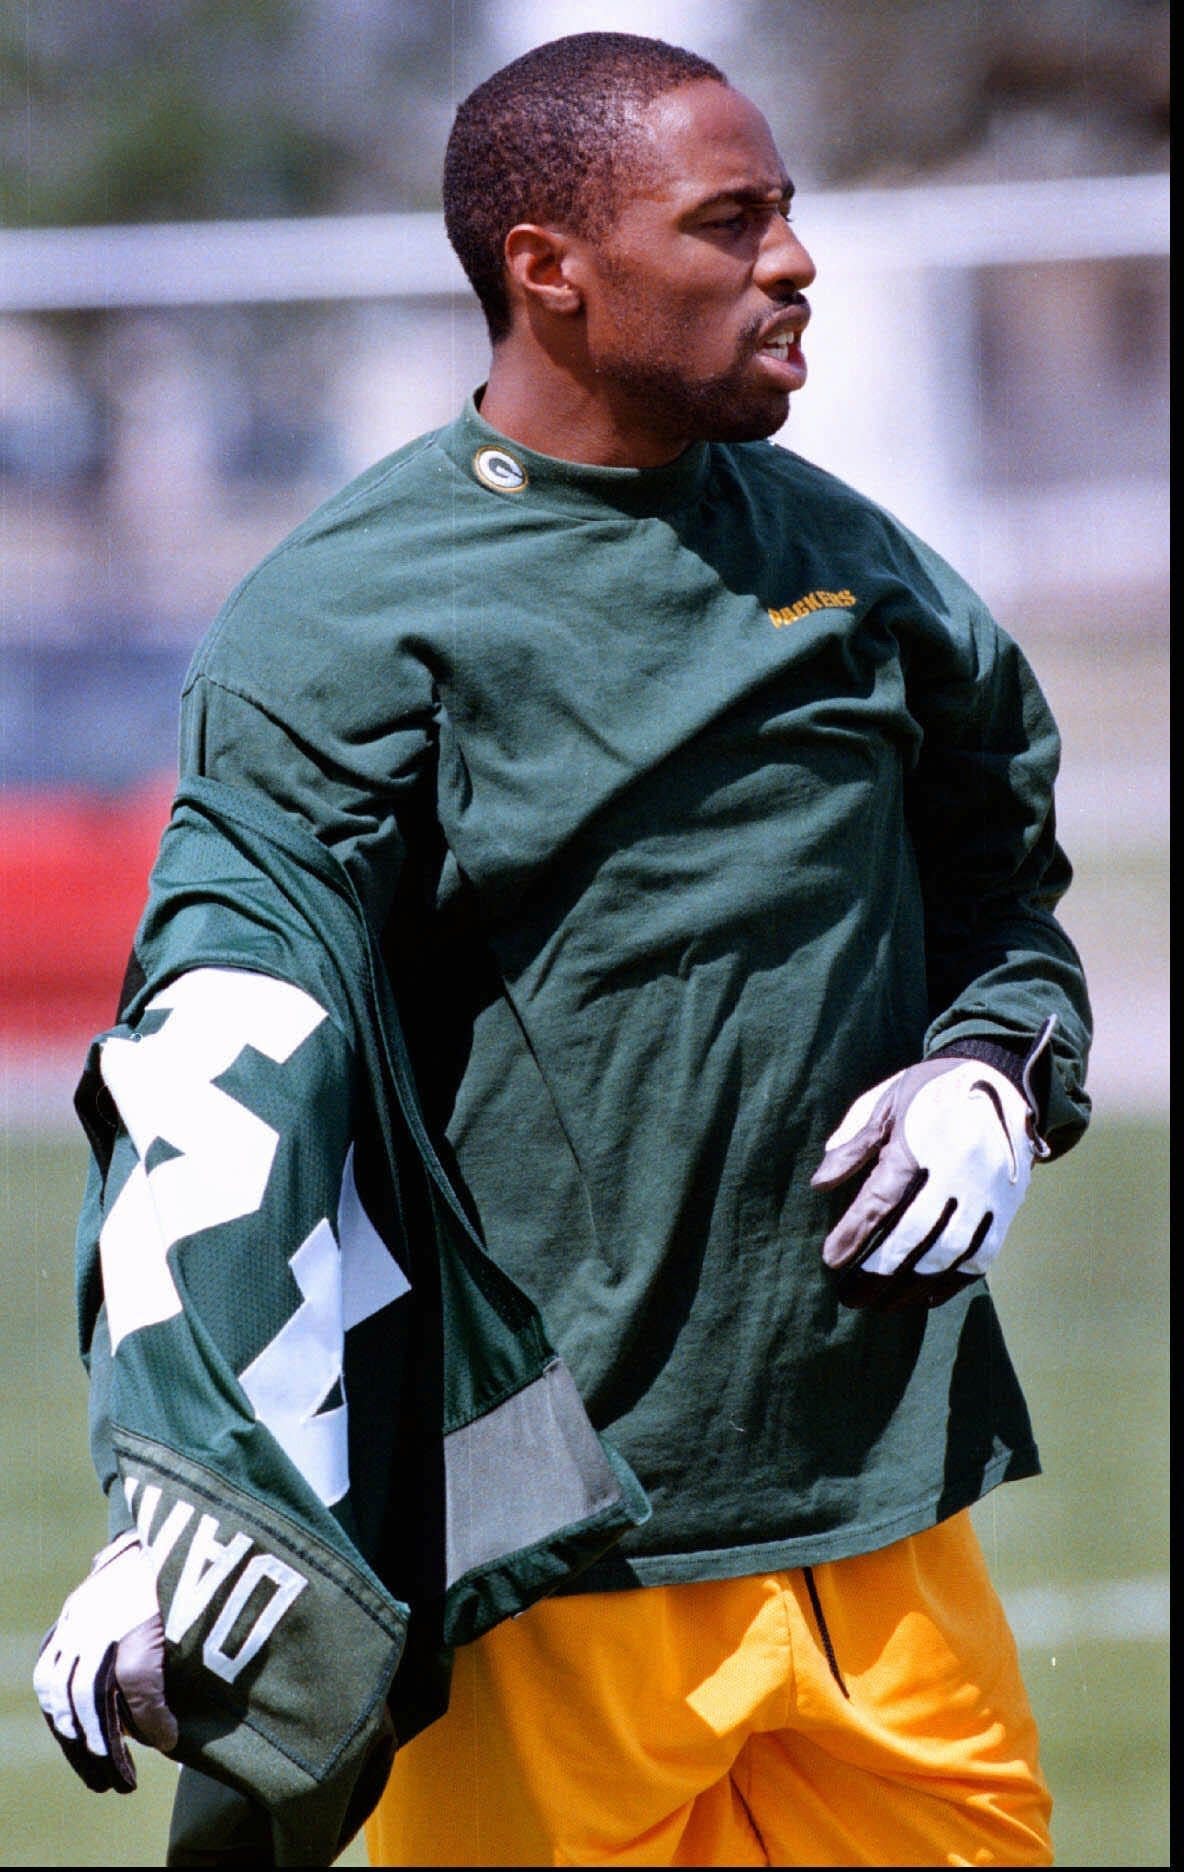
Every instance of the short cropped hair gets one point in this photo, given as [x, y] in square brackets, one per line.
[543, 140]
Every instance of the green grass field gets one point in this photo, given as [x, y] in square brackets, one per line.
[1081, 1554]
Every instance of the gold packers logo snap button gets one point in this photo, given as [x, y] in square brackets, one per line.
[499, 470]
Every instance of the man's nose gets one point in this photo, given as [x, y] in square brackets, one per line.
[782, 259]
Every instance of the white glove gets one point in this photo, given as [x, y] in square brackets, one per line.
[952, 1145]
[101, 1669]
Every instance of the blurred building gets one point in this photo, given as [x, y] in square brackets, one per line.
[1013, 413]
[996, 378]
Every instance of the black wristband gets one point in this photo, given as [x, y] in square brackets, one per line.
[1007, 1060]
[1011, 1059]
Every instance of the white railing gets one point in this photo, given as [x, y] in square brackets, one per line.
[407, 256]
[894, 392]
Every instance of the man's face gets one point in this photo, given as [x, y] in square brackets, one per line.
[693, 298]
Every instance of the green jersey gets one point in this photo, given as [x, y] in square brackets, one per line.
[686, 804]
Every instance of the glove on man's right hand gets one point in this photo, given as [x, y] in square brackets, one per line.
[100, 1671]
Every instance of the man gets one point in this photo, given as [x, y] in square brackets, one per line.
[704, 819]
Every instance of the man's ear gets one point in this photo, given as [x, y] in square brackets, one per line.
[539, 265]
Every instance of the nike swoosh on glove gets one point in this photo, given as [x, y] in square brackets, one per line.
[948, 1146]
[100, 1670]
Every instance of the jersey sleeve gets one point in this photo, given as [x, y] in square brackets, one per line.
[224, 1192]
[228, 1276]
[983, 821]
[329, 717]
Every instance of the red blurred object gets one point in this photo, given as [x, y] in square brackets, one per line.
[73, 876]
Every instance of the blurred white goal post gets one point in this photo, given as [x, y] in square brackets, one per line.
[407, 256]
[894, 400]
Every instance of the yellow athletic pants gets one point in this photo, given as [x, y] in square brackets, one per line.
[865, 1712]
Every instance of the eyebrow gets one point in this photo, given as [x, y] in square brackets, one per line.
[749, 197]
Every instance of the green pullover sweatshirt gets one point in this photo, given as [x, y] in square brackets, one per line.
[686, 803]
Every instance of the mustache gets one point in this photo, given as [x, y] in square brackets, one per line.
[757, 331]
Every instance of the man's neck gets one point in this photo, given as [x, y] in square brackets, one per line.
[533, 399]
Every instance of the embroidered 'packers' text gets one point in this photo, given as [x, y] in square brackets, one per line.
[813, 601]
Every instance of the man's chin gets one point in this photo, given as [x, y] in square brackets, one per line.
[718, 410]
[753, 426]
[720, 414]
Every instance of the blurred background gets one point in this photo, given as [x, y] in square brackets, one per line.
[224, 288]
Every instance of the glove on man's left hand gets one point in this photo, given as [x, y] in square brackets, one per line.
[101, 1669]
[952, 1146]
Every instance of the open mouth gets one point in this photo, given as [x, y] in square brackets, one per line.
[784, 353]
[783, 343]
